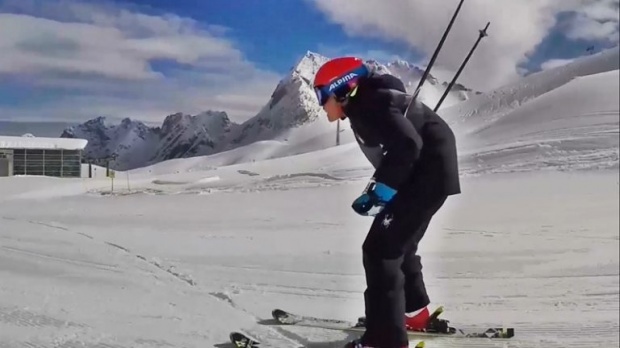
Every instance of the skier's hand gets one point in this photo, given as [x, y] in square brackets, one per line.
[373, 199]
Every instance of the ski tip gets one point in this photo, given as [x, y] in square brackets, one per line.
[500, 332]
[240, 340]
[507, 332]
[278, 313]
[420, 344]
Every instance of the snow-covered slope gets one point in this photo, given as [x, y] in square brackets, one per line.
[180, 260]
[479, 110]
[562, 118]
[574, 126]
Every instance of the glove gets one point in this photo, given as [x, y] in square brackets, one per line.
[373, 199]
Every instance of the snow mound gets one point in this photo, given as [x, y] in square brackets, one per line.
[571, 127]
[482, 109]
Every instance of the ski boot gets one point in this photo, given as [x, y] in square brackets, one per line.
[422, 321]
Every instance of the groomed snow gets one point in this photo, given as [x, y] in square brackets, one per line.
[181, 260]
[28, 142]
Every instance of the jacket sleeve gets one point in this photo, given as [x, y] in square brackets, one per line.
[401, 142]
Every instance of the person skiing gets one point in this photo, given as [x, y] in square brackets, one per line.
[413, 151]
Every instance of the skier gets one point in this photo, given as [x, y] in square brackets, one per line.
[414, 155]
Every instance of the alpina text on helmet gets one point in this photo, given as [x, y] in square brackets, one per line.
[347, 77]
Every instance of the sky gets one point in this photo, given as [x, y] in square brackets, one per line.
[69, 60]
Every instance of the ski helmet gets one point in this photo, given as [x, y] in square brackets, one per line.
[338, 77]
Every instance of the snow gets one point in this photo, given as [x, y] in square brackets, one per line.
[557, 129]
[31, 142]
[483, 109]
[181, 252]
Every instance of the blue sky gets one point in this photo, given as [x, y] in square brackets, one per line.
[145, 59]
[297, 24]
[311, 30]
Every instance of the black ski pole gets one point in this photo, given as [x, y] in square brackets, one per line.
[483, 33]
[436, 53]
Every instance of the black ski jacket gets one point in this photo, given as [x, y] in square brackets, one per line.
[412, 152]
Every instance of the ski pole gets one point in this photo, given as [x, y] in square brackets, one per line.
[436, 53]
[483, 33]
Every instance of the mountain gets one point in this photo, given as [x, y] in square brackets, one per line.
[291, 117]
[293, 102]
[132, 144]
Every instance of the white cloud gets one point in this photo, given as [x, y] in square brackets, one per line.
[554, 63]
[516, 28]
[595, 20]
[348, 50]
[103, 57]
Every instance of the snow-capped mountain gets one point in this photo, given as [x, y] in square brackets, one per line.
[184, 135]
[293, 102]
[132, 144]
[291, 115]
[291, 105]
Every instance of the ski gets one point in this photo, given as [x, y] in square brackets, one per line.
[288, 318]
[241, 340]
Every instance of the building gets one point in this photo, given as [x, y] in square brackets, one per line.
[59, 157]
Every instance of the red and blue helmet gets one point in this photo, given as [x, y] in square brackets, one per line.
[338, 77]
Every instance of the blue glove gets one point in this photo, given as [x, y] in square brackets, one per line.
[373, 199]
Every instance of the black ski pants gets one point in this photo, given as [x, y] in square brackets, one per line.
[394, 280]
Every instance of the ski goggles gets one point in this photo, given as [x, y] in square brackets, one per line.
[322, 94]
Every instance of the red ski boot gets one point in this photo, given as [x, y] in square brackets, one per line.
[423, 320]
[418, 320]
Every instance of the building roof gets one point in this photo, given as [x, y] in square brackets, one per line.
[36, 143]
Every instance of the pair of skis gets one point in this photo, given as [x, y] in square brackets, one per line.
[283, 317]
